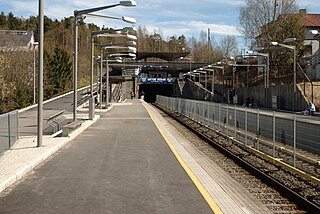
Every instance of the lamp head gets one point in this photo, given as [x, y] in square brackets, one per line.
[132, 43]
[133, 37]
[258, 49]
[287, 40]
[274, 43]
[314, 32]
[130, 29]
[128, 3]
[128, 20]
[132, 49]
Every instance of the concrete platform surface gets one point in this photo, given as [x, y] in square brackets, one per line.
[120, 164]
[127, 160]
[25, 155]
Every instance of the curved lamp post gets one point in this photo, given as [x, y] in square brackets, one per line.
[34, 71]
[266, 55]
[293, 48]
[40, 74]
[129, 50]
[78, 14]
[186, 58]
[212, 81]
[202, 71]
[97, 34]
[267, 73]
[128, 36]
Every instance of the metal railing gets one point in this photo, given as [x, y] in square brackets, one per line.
[263, 130]
[9, 130]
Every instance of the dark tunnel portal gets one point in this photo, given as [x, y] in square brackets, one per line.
[151, 90]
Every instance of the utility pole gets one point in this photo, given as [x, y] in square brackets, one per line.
[40, 74]
[275, 9]
[209, 46]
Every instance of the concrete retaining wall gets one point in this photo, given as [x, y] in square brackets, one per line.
[282, 94]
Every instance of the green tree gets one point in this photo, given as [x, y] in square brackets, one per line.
[14, 23]
[263, 22]
[31, 24]
[59, 72]
[3, 21]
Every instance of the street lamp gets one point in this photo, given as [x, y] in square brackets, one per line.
[266, 55]
[293, 48]
[128, 36]
[97, 34]
[185, 58]
[129, 50]
[212, 81]
[78, 14]
[316, 36]
[201, 71]
[40, 74]
[267, 73]
[34, 71]
[123, 18]
[129, 55]
[194, 72]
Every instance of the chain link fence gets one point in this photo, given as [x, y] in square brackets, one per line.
[9, 130]
[267, 131]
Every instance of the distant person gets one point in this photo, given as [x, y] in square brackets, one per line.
[252, 104]
[96, 100]
[142, 95]
[247, 103]
[132, 95]
[311, 109]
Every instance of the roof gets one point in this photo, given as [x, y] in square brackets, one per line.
[169, 56]
[16, 39]
[312, 20]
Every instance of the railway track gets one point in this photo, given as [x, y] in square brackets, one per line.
[281, 190]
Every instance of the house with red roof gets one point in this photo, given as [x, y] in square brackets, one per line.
[312, 61]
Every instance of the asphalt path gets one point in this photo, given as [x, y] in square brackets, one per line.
[121, 164]
[28, 118]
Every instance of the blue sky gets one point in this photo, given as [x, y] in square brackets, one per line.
[173, 17]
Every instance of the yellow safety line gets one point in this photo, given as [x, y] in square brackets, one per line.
[195, 180]
[285, 165]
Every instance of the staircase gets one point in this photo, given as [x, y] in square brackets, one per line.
[117, 93]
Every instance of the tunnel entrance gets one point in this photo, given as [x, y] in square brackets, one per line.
[151, 90]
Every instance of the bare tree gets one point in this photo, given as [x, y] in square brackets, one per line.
[204, 50]
[263, 21]
[228, 46]
[266, 21]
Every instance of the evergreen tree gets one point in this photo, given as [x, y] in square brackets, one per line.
[59, 72]
[3, 21]
[14, 23]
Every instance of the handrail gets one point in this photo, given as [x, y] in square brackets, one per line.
[312, 60]
[309, 80]
[56, 115]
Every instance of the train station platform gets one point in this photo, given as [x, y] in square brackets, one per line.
[127, 160]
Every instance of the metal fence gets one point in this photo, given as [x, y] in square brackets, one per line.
[263, 130]
[9, 130]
